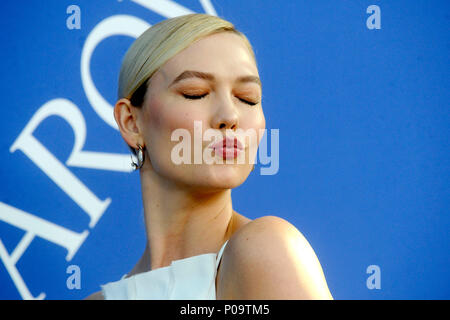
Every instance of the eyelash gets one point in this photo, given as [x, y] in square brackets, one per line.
[194, 97]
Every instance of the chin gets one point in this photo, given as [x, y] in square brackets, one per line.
[219, 177]
[228, 176]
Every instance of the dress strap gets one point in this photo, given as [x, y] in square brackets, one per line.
[219, 254]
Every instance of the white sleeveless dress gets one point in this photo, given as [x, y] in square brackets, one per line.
[192, 278]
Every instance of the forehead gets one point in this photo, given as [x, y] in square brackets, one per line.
[224, 54]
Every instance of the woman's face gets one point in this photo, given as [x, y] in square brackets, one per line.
[215, 82]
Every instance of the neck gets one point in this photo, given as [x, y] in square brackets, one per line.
[182, 222]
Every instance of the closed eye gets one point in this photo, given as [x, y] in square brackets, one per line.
[194, 97]
[248, 102]
[200, 96]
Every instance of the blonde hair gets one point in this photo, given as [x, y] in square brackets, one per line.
[162, 41]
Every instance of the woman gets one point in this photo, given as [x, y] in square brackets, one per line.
[199, 69]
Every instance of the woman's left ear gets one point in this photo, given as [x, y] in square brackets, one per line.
[126, 118]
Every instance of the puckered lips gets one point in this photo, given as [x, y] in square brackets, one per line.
[228, 148]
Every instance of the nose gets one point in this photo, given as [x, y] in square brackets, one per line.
[226, 115]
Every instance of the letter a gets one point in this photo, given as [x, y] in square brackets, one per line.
[74, 20]
[374, 21]
[74, 280]
[374, 280]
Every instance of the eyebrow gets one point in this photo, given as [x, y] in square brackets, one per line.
[208, 76]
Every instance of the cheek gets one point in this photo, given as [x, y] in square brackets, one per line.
[261, 121]
[171, 121]
[164, 118]
[254, 120]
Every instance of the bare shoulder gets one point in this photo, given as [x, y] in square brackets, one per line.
[95, 296]
[258, 237]
[269, 258]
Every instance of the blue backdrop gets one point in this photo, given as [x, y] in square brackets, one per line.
[360, 97]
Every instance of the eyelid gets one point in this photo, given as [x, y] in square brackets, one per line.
[193, 89]
[251, 98]
[194, 96]
[191, 83]
[251, 103]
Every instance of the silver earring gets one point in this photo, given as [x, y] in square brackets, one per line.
[140, 155]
